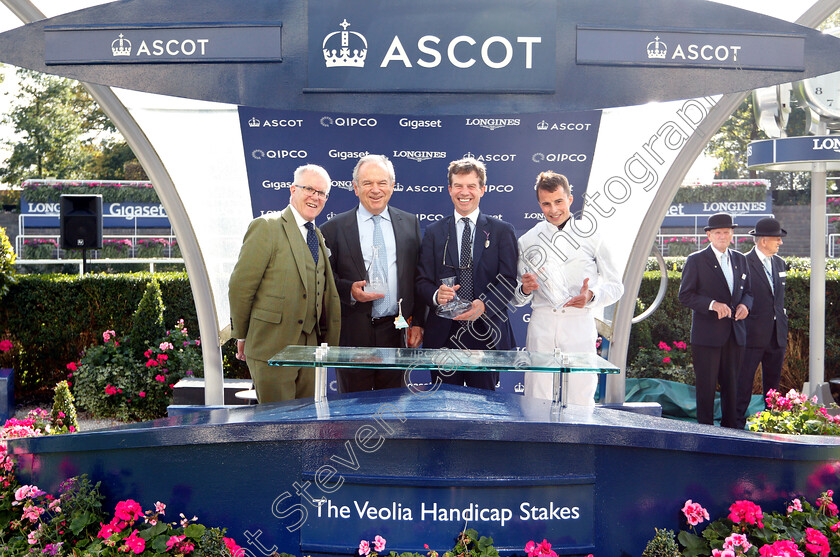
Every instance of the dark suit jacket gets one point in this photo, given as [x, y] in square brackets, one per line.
[341, 234]
[494, 280]
[768, 305]
[702, 282]
[269, 287]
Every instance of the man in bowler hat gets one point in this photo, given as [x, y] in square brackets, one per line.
[716, 286]
[767, 325]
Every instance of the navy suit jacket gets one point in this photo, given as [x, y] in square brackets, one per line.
[702, 282]
[768, 305]
[341, 234]
[495, 255]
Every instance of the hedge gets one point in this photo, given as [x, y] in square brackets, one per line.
[672, 321]
[51, 319]
[46, 191]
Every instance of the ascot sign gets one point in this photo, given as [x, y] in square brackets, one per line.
[512, 50]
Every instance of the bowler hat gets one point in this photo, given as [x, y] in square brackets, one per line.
[768, 226]
[720, 220]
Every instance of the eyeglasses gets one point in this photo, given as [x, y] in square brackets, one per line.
[446, 249]
[310, 191]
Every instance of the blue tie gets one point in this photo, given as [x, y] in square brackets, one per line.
[769, 273]
[312, 240]
[727, 270]
[381, 305]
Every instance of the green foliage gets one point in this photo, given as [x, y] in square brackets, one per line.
[111, 381]
[728, 192]
[795, 414]
[118, 192]
[729, 144]
[117, 161]
[7, 263]
[662, 545]
[147, 322]
[63, 415]
[10, 199]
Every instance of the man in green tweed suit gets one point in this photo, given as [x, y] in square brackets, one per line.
[282, 290]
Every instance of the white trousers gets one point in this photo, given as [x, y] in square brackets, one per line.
[570, 330]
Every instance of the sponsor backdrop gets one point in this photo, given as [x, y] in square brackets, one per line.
[515, 149]
[114, 215]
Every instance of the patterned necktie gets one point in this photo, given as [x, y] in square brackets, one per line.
[465, 272]
[727, 270]
[380, 305]
[769, 273]
[312, 240]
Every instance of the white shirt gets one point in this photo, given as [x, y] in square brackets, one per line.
[364, 219]
[300, 221]
[545, 247]
[459, 228]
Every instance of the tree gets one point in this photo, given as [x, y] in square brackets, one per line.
[729, 144]
[62, 133]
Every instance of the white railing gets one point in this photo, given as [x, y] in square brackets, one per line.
[150, 262]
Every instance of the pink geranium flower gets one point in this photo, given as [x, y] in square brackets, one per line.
[781, 548]
[364, 548]
[795, 505]
[173, 540]
[723, 553]
[107, 530]
[746, 511]
[664, 346]
[379, 544]
[72, 366]
[135, 543]
[160, 378]
[234, 549]
[737, 540]
[694, 513]
[826, 503]
[109, 390]
[128, 510]
[816, 542]
[5, 345]
[666, 360]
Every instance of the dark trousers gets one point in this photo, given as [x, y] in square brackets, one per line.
[771, 359]
[713, 365]
[478, 379]
[383, 334]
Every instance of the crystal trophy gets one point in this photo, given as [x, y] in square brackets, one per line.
[552, 282]
[375, 280]
[454, 307]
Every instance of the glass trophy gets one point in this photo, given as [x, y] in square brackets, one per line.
[375, 280]
[454, 307]
[552, 282]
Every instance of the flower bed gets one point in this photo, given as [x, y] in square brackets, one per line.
[115, 249]
[794, 413]
[152, 248]
[38, 248]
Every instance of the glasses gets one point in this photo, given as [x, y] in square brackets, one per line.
[446, 249]
[310, 191]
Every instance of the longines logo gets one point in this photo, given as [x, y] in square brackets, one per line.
[492, 123]
[339, 52]
[348, 122]
[827, 144]
[419, 156]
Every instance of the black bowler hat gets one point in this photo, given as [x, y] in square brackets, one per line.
[720, 220]
[768, 226]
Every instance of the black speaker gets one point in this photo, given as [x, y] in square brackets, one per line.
[81, 221]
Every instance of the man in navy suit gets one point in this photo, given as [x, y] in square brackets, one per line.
[716, 286]
[481, 252]
[767, 325]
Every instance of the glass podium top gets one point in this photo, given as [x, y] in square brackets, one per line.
[445, 359]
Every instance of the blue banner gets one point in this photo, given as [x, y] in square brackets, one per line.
[744, 213]
[46, 214]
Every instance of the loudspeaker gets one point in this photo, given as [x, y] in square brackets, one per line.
[81, 221]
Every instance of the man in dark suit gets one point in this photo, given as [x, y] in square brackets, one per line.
[481, 252]
[369, 318]
[282, 292]
[716, 286]
[767, 326]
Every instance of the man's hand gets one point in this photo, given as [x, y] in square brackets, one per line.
[446, 293]
[472, 314]
[240, 350]
[358, 293]
[529, 283]
[741, 312]
[581, 299]
[415, 337]
[723, 311]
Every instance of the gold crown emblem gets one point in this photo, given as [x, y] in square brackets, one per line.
[121, 46]
[343, 54]
[657, 49]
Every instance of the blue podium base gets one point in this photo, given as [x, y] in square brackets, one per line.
[308, 478]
